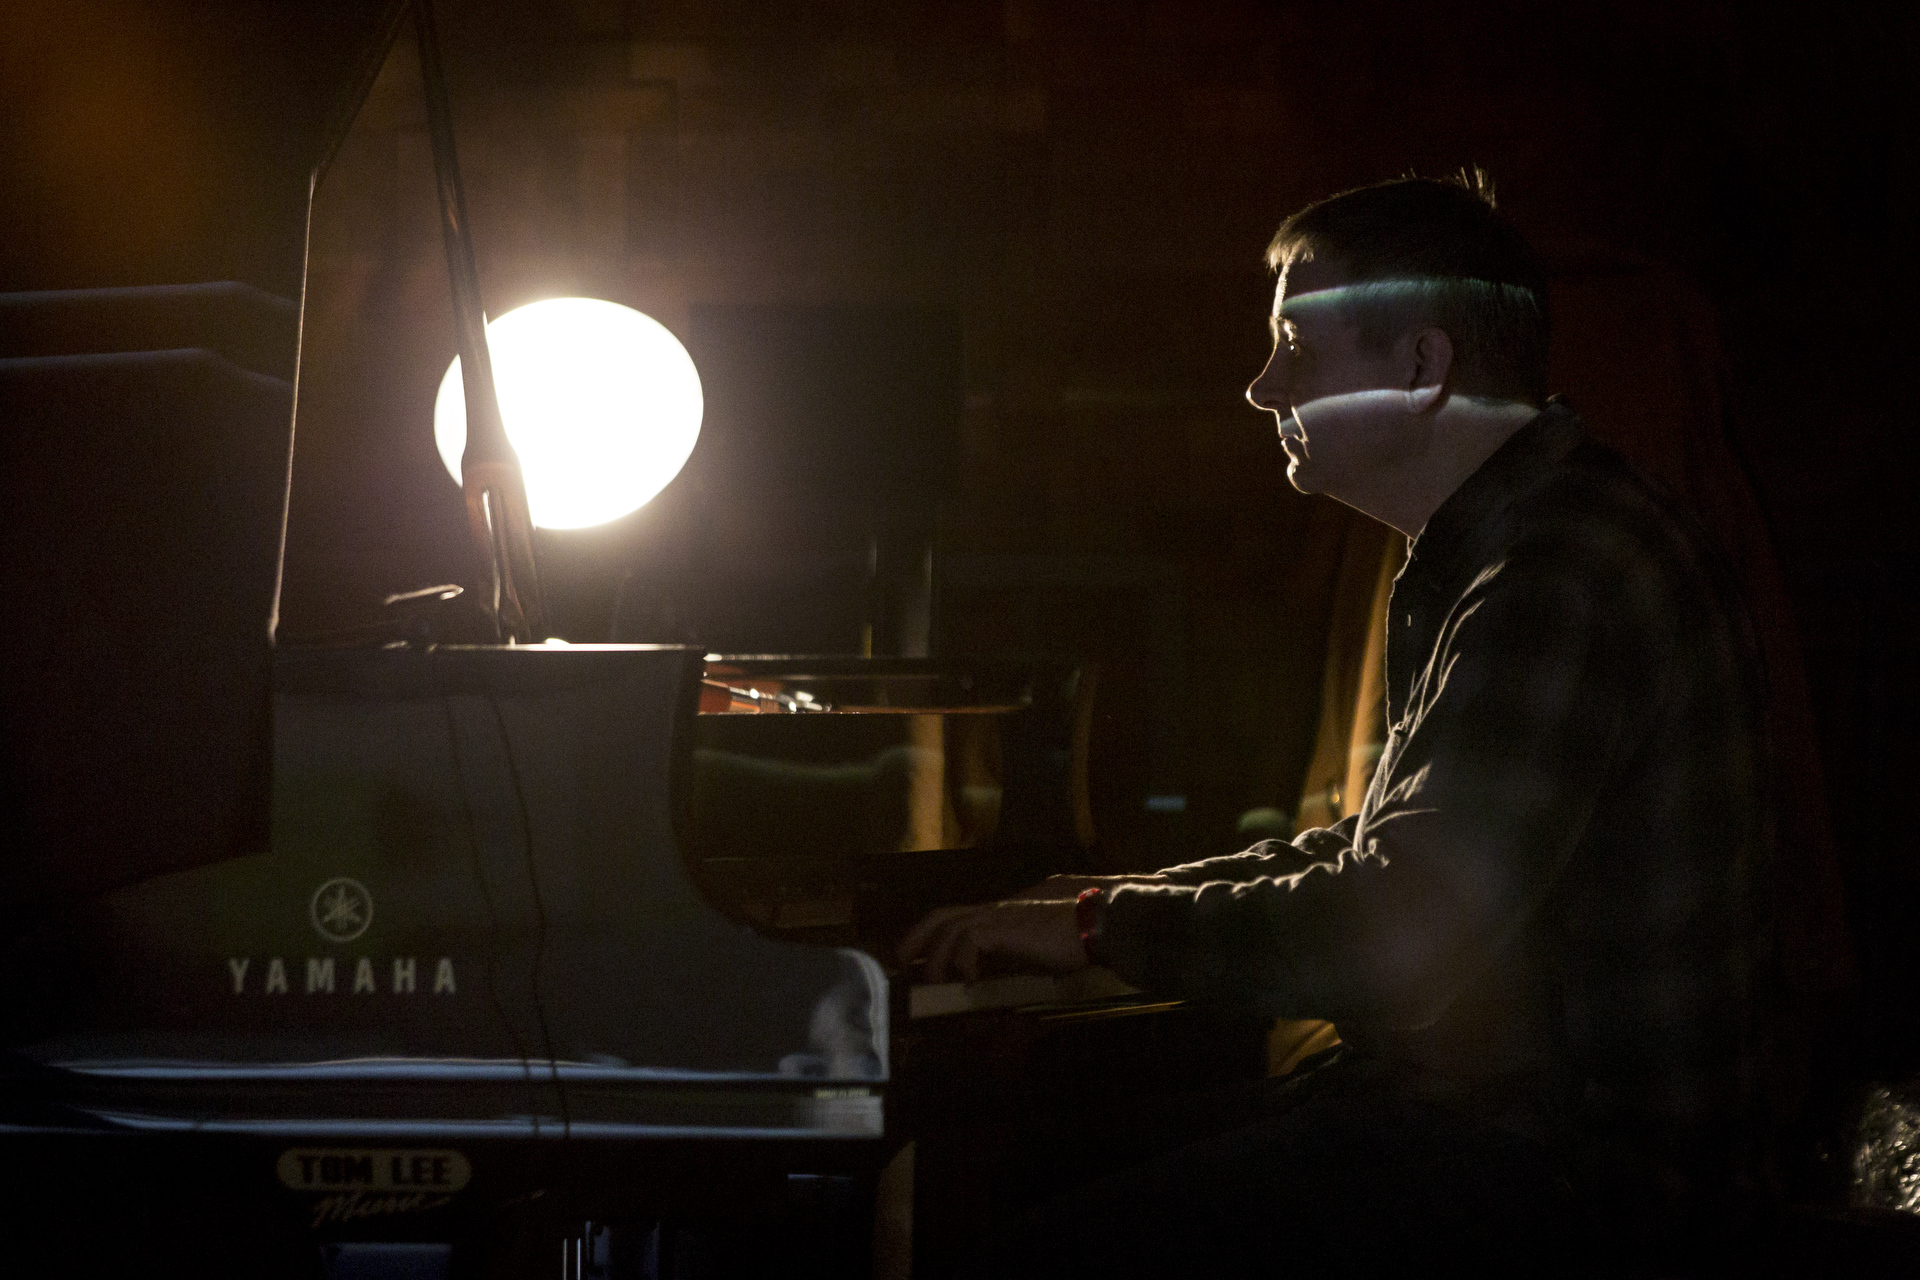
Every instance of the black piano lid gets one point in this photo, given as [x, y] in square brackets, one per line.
[156, 164]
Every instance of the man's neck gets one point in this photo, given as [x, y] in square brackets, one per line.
[1463, 433]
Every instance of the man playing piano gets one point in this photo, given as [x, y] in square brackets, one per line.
[1539, 933]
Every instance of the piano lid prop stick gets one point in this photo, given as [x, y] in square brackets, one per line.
[496, 489]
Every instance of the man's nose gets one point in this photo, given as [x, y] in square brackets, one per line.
[1268, 391]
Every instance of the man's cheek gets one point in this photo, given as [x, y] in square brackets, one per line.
[1323, 412]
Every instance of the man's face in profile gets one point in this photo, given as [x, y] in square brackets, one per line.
[1340, 410]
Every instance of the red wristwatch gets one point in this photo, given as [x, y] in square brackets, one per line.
[1090, 917]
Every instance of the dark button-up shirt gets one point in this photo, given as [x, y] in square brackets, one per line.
[1546, 907]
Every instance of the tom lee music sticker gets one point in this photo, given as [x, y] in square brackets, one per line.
[368, 1182]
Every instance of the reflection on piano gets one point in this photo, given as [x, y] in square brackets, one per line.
[882, 788]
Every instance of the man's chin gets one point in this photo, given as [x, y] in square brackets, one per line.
[1300, 475]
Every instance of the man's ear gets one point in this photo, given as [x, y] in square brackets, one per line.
[1428, 365]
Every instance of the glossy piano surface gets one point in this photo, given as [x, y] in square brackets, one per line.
[833, 800]
[475, 912]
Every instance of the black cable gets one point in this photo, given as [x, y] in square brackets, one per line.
[493, 916]
[539, 914]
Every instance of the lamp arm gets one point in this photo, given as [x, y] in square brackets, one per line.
[496, 489]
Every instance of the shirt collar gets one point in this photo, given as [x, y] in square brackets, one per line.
[1515, 466]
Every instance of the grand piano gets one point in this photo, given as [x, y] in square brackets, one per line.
[401, 957]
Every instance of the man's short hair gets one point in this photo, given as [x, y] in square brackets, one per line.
[1431, 251]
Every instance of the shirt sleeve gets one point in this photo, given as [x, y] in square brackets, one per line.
[1268, 858]
[1482, 793]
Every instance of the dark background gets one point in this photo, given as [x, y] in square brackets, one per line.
[1078, 194]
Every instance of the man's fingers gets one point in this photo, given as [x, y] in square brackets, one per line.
[940, 957]
[963, 939]
[1055, 888]
[915, 944]
[1037, 935]
[966, 954]
[935, 956]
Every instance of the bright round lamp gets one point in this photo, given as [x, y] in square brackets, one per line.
[601, 403]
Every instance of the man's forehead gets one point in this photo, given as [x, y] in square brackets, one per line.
[1305, 285]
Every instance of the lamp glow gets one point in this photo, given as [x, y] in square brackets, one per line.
[601, 402]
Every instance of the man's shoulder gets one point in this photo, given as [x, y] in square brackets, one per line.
[1589, 530]
[1598, 510]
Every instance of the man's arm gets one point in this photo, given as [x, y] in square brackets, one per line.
[1267, 858]
[953, 940]
[1483, 791]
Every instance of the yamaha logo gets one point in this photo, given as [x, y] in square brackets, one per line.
[341, 909]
